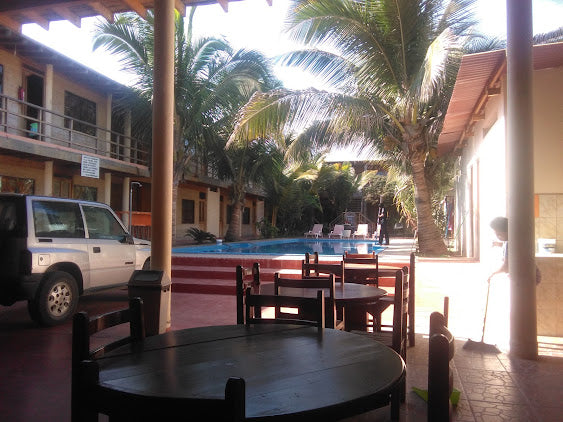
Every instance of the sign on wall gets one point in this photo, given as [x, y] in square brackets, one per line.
[90, 167]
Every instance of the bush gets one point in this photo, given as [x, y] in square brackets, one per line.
[200, 236]
[266, 229]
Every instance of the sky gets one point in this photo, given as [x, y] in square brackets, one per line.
[254, 24]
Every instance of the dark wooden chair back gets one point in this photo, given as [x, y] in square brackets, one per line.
[310, 311]
[83, 328]
[309, 269]
[129, 406]
[316, 283]
[246, 277]
[368, 273]
[440, 375]
[312, 258]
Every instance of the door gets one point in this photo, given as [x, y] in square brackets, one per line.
[112, 257]
[34, 95]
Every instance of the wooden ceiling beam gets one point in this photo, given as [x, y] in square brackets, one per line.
[65, 13]
[37, 18]
[180, 7]
[224, 4]
[106, 13]
[10, 23]
[137, 7]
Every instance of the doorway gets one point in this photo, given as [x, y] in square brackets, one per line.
[34, 87]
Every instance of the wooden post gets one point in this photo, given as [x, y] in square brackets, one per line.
[163, 142]
[520, 159]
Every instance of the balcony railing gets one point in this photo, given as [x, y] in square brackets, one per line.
[31, 121]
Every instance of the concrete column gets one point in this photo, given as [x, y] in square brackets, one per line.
[48, 103]
[520, 157]
[125, 200]
[162, 145]
[107, 188]
[48, 179]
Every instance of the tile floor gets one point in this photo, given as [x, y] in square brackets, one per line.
[35, 362]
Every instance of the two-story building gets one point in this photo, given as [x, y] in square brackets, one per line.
[64, 133]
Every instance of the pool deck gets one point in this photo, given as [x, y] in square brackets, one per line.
[35, 362]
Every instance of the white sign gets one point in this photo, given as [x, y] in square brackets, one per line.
[90, 167]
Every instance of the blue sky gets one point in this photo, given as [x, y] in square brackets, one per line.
[254, 24]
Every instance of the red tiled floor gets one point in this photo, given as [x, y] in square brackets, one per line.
[35, 362]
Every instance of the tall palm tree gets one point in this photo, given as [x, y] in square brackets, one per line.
[212, 81]
[386, 62]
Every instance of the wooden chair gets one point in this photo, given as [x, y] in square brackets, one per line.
[311, 283]
[440, 376]
[312, 308]
[367, 274]
[395, 338]
[83, 328]
[309, 269]
[246, 277]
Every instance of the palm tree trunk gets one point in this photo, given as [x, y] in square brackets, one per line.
[430, 241]
[234, 230]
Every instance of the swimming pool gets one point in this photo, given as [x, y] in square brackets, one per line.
[286, 247]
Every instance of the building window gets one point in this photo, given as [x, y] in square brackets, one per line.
[246, 215]
[1, 78]
[87, 193]
[17, 185]
[188, 211]
[83, 110]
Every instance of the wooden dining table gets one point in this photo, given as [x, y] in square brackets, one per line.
[291, 371]
[346, 295]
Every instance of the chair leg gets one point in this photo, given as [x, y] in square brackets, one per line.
[396, 404]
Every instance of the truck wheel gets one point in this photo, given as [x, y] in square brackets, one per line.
[147, 264]
[56, 299]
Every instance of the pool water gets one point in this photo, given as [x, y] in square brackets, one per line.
[286, 247]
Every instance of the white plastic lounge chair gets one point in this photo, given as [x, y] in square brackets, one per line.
[316, 231]
[338, 231]
[361, 231]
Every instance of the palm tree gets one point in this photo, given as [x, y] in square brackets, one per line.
[387, 62]
[212, 81]
[256, 162]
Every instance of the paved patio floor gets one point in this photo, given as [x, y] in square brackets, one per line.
[35, 362]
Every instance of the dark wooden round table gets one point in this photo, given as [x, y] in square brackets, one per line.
[344, 293]
[290, 371]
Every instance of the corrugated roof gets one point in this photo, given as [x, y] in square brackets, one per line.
[476, 78]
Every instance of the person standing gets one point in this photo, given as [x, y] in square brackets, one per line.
[382, 219]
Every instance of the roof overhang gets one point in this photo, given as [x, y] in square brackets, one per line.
[15, 13]
[477, 80]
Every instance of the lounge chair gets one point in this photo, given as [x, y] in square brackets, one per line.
[338, 231]
[361, 231]
[316, 231]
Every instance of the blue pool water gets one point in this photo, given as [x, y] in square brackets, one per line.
[286, 247]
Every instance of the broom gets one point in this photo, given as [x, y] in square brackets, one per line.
[481, 346]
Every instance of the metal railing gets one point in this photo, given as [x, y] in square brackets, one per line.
[28, 120]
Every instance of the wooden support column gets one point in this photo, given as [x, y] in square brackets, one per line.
[520, 154]
[162, 145]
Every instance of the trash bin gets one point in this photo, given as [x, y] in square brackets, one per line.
[153, 287]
